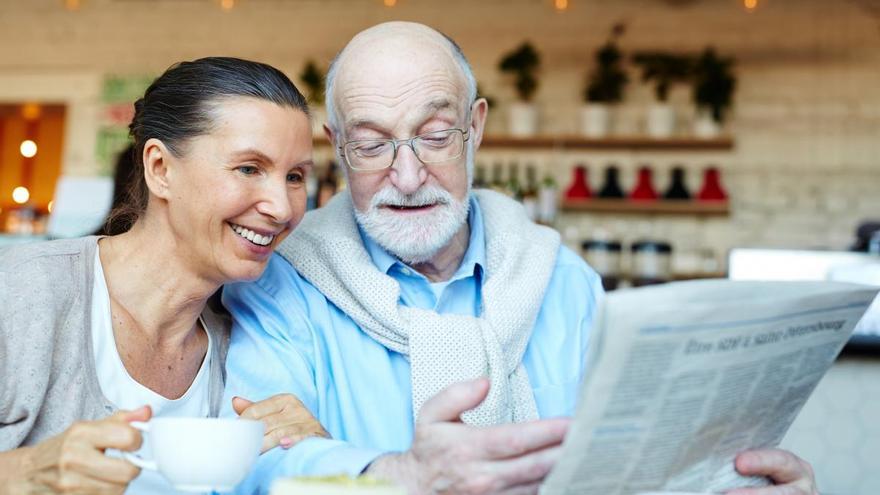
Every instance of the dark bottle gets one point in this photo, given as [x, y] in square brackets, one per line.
[530, 193]
[480, 177]
[611, 188]
[644, 190]
[497, 183]
[580, 184]
[327, 185]
[712, 190]
[677, 188]
[513, 188]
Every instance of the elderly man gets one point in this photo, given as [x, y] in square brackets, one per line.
[386, 306]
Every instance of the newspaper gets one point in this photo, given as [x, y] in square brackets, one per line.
[682, 377]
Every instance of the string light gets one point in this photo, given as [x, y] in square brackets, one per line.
[227, 4]
[560, 4]
[72, 4]
[750, 4]
[28, 148]
[31, 111]
[389, 3]
[21, 195]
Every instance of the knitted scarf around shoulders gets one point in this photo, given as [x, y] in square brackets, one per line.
[326, 249]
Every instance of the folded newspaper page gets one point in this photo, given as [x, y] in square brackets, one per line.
[682, 377]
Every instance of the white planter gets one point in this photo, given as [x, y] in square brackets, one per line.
[660, 121]
[595, 120]
[705, 126]
[523, 119]
[319, 118]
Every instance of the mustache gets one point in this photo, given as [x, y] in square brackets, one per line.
[426, 195]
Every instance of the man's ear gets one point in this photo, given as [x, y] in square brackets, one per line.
[156, 167]
[479, 111]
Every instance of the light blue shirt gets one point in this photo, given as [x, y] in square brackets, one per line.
[288, 338]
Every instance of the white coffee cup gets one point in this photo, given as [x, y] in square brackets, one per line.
[201, 454]
[674, 493]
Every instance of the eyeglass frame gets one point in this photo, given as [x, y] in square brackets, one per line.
[397, 143]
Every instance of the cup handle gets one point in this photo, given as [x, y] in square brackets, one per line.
[140, 461]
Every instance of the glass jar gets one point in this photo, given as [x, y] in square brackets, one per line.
[651, 262]
[604, 257]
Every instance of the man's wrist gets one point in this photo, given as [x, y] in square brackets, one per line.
[398, 468]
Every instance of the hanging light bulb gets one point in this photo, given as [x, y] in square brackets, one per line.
[72, 4]
[389, 3]
[560, 5]
[750, 5]
[21, 195]
[31, 111]
[28, 148]
[227, 4]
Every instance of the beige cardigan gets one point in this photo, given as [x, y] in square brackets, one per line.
[47, 369]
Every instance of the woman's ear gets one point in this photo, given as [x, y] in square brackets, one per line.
[156, 167]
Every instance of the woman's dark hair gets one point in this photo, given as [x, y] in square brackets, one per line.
[124, 174]
[178, 106]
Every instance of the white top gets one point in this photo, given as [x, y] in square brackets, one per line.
[126, 393]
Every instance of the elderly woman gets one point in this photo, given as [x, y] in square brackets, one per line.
[100, 331]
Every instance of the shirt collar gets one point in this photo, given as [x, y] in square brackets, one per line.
[474, 259]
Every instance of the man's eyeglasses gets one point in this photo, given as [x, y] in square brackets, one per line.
[431, 147]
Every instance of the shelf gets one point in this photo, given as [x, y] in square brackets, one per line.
[660, 207]
[610, 143]
[697, 276]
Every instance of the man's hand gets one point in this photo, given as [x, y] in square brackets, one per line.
[448, 457]
[791, 475]
[286, 418]
[74, 461]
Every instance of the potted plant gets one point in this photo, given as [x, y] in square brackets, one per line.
[521, 65]
[604, 86]
[313, 79]
[664, 69]
[713, 87]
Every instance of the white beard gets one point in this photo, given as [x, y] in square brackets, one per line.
[414, 238]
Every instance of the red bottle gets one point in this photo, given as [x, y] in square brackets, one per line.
[644, 190]
[712, 190]
[580, 185]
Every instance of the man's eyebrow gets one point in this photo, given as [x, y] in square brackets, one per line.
[432, 106]
[440, 104]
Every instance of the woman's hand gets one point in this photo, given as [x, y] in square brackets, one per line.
[286, 418]
[74, 461]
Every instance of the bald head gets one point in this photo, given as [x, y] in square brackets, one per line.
[393, 55]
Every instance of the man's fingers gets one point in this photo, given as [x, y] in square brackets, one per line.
[781, 466]
[528, 489]
[528, 469]
[452, 401]
[770, 490]
[514, 440]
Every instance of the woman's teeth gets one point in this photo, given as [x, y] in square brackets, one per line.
[259, 240]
